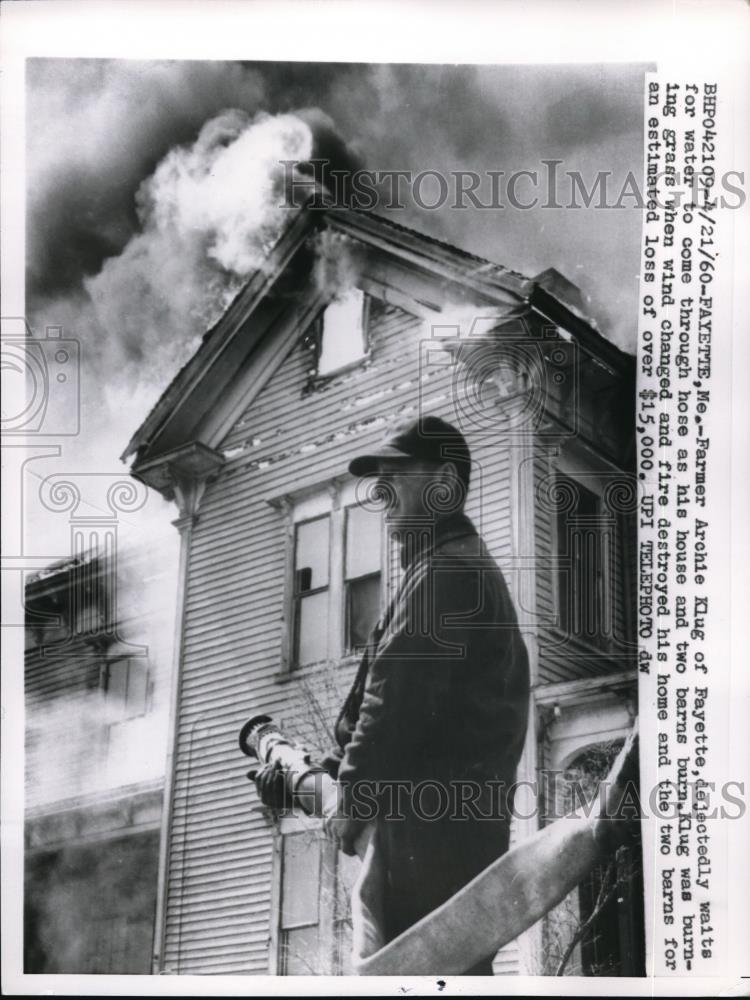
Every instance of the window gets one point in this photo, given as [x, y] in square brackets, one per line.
[583, 550]
[300, 905]
[361, 575]
[597, 929]
[311, 921]
[335, 589]
[311, 559]
[126, 688]
[342, 332]
[610, 898]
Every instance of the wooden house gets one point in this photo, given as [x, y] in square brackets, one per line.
[96, 684]
[354, 325]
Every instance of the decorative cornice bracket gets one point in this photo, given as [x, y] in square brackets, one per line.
[182, 475]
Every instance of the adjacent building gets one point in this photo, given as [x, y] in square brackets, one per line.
[99, 633]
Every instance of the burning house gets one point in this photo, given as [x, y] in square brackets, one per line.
[98, 663]
[353, 325]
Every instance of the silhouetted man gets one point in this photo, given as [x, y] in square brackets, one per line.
[434, 724]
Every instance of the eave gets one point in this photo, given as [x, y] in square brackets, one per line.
[191, 411]
[176, 397]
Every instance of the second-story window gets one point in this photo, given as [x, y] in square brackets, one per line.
[126, 688]
[361, 575]
[584, 539]
[311, 570]
[336, 588]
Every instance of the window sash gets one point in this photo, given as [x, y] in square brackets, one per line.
[327, 561]
[301, 855]
[349, 645]
[126, 686]
[304, 963]
[326, 366]
[298, 618]
[300, 595]
[584, 544]
[352, 551]
[335, 509]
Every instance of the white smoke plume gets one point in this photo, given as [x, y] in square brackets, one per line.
[149, 202]
[224, 186]
[208, 216]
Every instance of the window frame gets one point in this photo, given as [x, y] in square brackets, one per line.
[291, 825]
[106, 673]
[333, 499]
[315, 340]
[299, 596]
[348, 649]
[603, 642]
[573, 717]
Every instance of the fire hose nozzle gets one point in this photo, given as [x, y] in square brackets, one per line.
[311, 788]
[309, 785]
[251, 732]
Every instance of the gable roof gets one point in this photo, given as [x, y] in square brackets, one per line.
[241, 306]
[222, 352]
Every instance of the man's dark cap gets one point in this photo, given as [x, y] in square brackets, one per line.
[428, 438]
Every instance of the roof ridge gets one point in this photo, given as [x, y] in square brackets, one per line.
[430, 239]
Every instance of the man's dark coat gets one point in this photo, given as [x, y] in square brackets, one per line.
[441, 697]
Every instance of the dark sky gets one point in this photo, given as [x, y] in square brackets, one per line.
[151, 197]
[98, 128]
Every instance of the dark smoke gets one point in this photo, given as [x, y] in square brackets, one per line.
[113, 257]
[98, 129]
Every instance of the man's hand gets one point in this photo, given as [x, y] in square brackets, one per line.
[272, 788]
[342, 829]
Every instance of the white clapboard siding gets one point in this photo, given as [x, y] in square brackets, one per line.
[218, 915]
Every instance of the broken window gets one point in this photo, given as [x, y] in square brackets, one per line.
[335, 576]
[342, 332]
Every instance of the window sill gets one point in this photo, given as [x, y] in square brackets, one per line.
[346, 660]
[316, 382]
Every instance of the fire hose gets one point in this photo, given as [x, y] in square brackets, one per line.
[504, 900]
